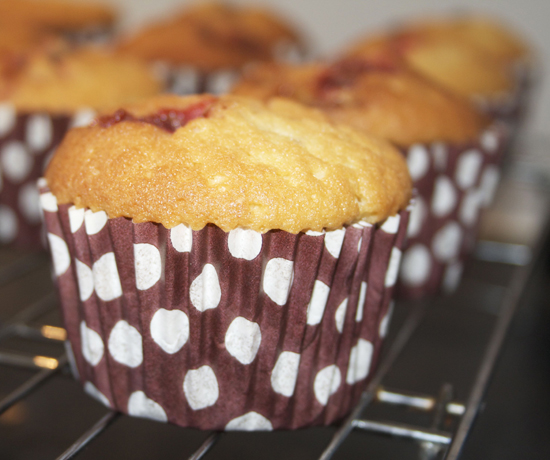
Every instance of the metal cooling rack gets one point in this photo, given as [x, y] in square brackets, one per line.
[444, 422]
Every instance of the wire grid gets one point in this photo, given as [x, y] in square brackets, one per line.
[434, 442]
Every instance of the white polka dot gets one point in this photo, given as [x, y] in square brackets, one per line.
[94, 221]
[418, 161]
[439, 151]
[220, 82]
[76, 218]
[7, 118]
[48, 202]
[243, 339]
[83, 118]
[416, 218]
[285, 373]
[384, 324]
[391, 224]
[147, 264]
[361, 224]
[277, 280]
[85, 279]
[39, 131]
[1, 180]
[185, 80]
[251, 421]
[205, 291]
[469, 208]
[361, 302]
[416, 266]
[16, 161]
[170, 329]
[488, 184]
[181, 237]
[92, 345]
[446, 242]
[41, 183]
[106, 279]
[313, 233]
[393, 267]
[489, 141]
[139, 405]
[334, 241]
[8, 224]
[452, 276]
[92, 390]
[200, 387]
[317, 303]
[29, 203]
[467, 168]
[327, 381]
[444, 197]
[359, 361]
[60, 254]
[244, 244]
[340, 315]
[125, 344]
[359, 243]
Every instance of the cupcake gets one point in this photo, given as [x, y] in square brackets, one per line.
[224, 263]
[450, 148]
[473, 56]
[207, 45]
[43, 92]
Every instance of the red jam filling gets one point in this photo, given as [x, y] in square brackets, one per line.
[168, 119]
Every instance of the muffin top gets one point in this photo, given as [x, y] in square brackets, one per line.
[473, 57]
[56, 15]
[229, 161]
[378, 95]
[212, 36]
[62, 80]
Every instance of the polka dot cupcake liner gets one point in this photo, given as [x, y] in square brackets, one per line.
[27, 142]
[184, 80]
[454, 183]
[223, 331]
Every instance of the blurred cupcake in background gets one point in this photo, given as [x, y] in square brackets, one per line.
[44, 91]
[225, 263]
[451, 149]
[207, 45]
[475, 57]
[76, 21]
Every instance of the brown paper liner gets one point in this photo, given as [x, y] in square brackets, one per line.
[27, 142]
[199, 329]
[456, 183]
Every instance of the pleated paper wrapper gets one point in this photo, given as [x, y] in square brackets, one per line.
[27, 141]
[223, 331]
[454, 184]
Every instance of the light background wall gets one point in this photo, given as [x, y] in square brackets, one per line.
[332, 24]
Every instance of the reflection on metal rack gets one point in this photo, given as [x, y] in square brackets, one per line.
[433, 440]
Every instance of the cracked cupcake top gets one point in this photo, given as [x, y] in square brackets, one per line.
[61, 80]
[212, 36]
[377, 94]
[229, 161]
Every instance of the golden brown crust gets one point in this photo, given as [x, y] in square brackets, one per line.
[377, 96]
[212, 36]
[470, 55]
[63, 80]
[56, 15]
[244, 164]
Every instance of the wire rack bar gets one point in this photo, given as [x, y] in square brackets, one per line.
[98, 428]
[404, 431]
[416, 401]
[206, 446]
[510, 303]
[414, 318]
[30, 385]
